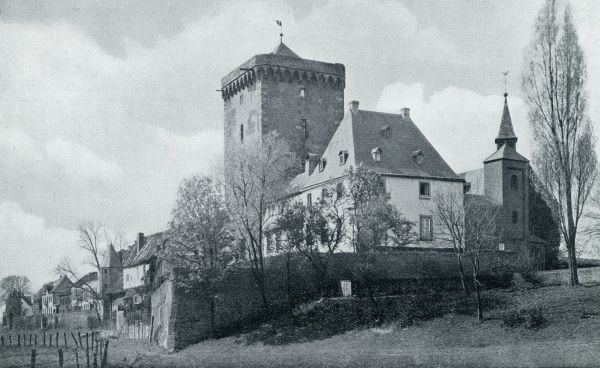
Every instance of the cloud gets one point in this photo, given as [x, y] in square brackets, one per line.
[31, 247]
[461, 124]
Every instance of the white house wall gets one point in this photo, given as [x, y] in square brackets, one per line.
[133, 276]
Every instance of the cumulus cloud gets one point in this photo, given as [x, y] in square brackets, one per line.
[31, 247]
[461, 124]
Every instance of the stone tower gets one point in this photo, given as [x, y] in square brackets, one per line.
[303, 100]
[507, 182]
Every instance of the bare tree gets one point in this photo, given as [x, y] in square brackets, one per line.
[554, 84]
[256, 176]
[481, 232]
[87, 286]
[449, 215]
[200, 238]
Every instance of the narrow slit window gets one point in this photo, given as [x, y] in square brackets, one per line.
[242, 133]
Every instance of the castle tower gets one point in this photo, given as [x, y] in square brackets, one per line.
[507, 182]
[303, 100]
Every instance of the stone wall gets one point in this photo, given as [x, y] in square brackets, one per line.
[164, 309]
[561, 277]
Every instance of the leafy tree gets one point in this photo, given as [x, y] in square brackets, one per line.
[200, 238]
[554, 85]
[316, 231]
[256, 176]
[12, 283]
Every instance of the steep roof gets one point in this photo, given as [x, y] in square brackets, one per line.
[110, 258]
[476, 179]
[151, 247]
[86, 279]
[62, 285]
[283, 50]
[405, 151]
[506, 131]
[506, 152]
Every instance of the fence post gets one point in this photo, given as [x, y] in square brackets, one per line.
[79, 335]
[60, 358]
[95, 360]
[105, 354]
[32, 358]
[74, 339]
[2, 340]
[77, 357]
[87, 357]
[57, 342]
[35, 339]
[44, 338]
[87, 340]
[65, 339]
[19, 339]
[29, 339]
[9, 340]
[50, 340]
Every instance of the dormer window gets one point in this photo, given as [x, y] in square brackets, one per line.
[376, 153]
[343, 155]
[418, 156]
[322, 164]
[386, 131]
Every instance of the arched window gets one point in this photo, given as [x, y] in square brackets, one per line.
[514, 182]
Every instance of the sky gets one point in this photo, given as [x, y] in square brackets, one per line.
[106, 106]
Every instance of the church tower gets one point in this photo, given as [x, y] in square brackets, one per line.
[303, 100]
[507, 182]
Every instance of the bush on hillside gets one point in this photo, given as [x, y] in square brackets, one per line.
[531, 318]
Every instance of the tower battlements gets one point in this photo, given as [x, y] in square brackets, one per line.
[282, 68]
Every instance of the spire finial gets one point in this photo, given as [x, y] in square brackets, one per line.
[280, 30]
[505, 83]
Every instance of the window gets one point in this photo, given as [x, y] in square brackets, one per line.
[424, 190]
[322, 164]
[418, 156]
[376, 153]
[386, 131]
[501, 246]
[241, 99]
[105, 271]
[514, 182]
[515, 217]
[324, 193]
[309, 200]
[343, 157]
[242, 133]
[302, 92]
[304, 125]
[426, 228]
[339, 190]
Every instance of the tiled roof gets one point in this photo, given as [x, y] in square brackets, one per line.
[283, 50]
[405, 151]
[90, 277]
[62, 285]
[152, 246]
[506, 152]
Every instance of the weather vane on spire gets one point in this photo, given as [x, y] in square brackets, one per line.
[505, 83]
[280, 30]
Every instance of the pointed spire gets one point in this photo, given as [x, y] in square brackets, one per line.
[506, 134]
[283, 50]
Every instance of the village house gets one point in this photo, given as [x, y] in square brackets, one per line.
[57, 297]
[83, 293]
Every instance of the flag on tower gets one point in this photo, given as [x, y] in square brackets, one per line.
[278, 22]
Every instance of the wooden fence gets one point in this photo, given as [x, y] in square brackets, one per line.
[54, 350]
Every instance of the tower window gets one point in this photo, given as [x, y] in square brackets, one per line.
[343, 155]
[515, 217]
[322, 164]
[304, 128]
[241, 99]
[376, 153]
[242, 133]
[302, 92]
[424, 190]
[514, 182]
[426, 228]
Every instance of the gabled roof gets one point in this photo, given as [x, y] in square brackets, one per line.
[362, 131]
[283, 50]
[62, 285]
[506, 131]
[151, 247]
[90, 277]
[506, 152]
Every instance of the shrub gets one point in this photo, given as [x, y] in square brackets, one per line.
[531, 318]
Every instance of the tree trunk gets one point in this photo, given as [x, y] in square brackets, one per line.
[212, 316]
[462, 273]
[572, 261]
[572, 230]
[479, 308]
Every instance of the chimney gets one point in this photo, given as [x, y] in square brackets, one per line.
[140, 241]
[307, 165]
[353, 105]
[405, 112]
